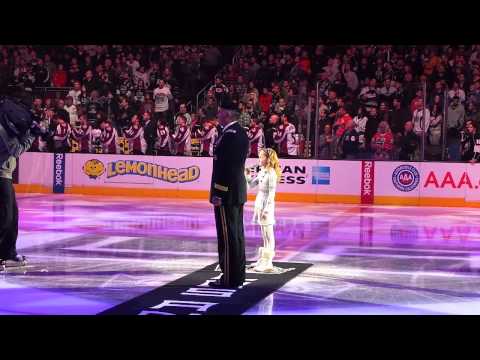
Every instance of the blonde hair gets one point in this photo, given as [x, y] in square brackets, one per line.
[272, 162]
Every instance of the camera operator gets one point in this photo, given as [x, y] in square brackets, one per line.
[17, 131]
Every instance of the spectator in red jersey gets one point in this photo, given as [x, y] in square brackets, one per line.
[342, 118]
[60, 77]
[382, 142]
[265, 100]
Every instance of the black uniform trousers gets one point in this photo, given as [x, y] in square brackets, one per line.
[231, 243]
[8, 220]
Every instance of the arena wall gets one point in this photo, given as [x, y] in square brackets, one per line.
[354, 182]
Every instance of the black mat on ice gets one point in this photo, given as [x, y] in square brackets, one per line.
[191, 295]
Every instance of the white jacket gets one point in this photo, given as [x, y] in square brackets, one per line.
[266, 180]
[286, 138]
[417, 121]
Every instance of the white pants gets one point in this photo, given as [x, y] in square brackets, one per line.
[268, 237]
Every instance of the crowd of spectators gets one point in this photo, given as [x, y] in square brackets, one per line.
[376, 102]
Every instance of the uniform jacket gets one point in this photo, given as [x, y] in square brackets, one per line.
[228, 179]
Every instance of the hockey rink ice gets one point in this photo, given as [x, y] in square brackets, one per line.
[89, 253]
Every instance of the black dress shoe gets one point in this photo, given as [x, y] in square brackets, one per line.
[16, 261]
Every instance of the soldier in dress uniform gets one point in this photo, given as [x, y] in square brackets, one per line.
[228, 194]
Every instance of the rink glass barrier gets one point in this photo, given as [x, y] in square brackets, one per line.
[328, 181]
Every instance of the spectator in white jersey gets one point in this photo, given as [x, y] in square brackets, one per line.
[76, 92]
[161, 97]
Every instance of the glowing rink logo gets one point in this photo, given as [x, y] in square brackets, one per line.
[405, 178]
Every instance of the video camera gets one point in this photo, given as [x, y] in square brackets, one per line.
[16, 120]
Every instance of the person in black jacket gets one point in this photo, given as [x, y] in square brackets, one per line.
[269, 128]
[150, 131]
[16, 137]
[371, 127]
[228, 194]
[408, 142]
[399, 116]
[472, 153]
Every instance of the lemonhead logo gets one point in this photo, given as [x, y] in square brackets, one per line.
[155, 171]
[93, 168]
